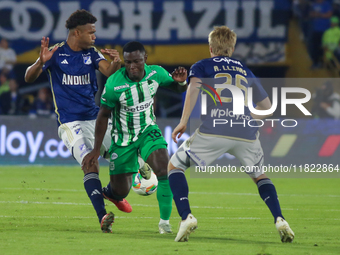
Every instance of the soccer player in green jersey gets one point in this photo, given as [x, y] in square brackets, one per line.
[128, 95]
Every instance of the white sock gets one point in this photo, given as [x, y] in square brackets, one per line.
[140, 162]
[161, 221]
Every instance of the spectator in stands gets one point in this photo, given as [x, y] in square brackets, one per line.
[326, 102]
[11, 102]
[301, 10]
[4, 82]
[331, 40]
[336, 8]
[8, 58]
[42, 105]
[321, 11]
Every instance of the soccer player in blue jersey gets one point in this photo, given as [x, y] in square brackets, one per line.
[210, 141]
[71, 67]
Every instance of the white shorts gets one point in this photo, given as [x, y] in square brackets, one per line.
[202, 150]
[78, 137]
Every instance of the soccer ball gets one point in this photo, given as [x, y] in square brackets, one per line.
[145, 187]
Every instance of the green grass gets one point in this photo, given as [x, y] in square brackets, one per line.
[45, 210]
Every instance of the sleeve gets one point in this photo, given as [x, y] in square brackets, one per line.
[109, 98]
[258, 91]
[165, 78]
[51, 61]
[48, 63]
[97, 56]
[196, 70]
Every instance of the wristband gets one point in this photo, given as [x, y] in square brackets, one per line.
[182, 83]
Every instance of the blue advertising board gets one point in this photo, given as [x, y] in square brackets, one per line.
[153, 22]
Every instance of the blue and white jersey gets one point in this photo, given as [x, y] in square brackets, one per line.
[73, 82]
[219, 119]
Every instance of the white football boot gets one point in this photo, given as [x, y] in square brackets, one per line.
[185, 228]
[286, 234]
[164, 228]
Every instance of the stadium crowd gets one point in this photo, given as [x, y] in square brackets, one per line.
[319, 22]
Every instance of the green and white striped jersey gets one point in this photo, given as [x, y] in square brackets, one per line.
[132, 102]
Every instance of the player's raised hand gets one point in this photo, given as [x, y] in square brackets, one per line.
[45, 54]
[89, 160]
[180, 74]
[113, 54]
[178, 132]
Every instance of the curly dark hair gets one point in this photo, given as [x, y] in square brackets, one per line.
[80, 18]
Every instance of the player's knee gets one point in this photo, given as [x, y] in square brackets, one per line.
[120, 193]
[160, 172]
[92, 169]
[172, 167]
[262, 176]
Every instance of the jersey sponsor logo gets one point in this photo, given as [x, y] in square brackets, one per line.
[228, 113]
[122, 87]
[138, 108]
[150, 74]
[64, 54]
[76, 80]
[228, 60]
[87, 60]
[64, 62]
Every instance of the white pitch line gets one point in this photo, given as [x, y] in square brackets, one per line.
[191, 192]
[147, 205]
[130, 217]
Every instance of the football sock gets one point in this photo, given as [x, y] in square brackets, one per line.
[164, 197]
[268, 194]
[93, 189]
[180, 190]
[109, 193]
[161, 221]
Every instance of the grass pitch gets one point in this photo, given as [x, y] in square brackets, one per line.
[45, 210]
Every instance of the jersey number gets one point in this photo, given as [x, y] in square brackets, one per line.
[154, 134]
[229, 81]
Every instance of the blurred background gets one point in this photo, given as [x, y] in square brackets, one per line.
[284, 42]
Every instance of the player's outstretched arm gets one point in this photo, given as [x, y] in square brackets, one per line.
[179, 75]
[33, 71]
[101, 126]
[109, 68]
[189, 104]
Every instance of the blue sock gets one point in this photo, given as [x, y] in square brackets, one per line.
[93, 189]
[268, 194]
[180, 190]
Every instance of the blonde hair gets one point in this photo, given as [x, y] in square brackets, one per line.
[222, 41]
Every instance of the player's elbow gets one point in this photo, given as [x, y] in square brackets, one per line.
[27, 79]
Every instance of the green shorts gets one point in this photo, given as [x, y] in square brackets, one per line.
[124, 159]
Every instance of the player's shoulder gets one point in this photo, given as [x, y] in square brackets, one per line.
[60, 45]
[117, 79]
[155, 72]
[203, 61]
[94, 49]
[156, 68]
